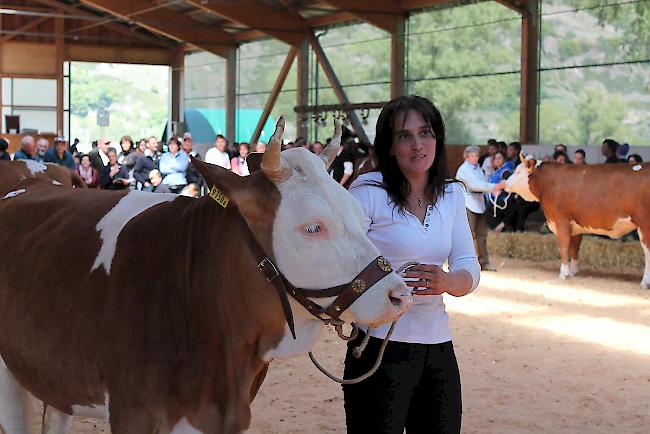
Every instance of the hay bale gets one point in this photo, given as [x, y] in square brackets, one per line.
[594, 251]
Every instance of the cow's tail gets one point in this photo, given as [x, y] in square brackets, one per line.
[77, 182]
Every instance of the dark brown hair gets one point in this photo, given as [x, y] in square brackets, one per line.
[394, 182]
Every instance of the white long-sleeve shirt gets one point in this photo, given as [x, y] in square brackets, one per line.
[400, 237]
[475, 185]
[215, 156]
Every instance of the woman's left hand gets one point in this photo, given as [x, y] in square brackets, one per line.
[432, 279]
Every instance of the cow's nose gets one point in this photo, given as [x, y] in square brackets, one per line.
[401, 297]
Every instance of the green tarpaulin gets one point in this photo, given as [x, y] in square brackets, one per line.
[205, 124]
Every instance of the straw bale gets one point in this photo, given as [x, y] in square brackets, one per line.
[594, 251]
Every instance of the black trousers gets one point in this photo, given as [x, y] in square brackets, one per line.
[417, 387]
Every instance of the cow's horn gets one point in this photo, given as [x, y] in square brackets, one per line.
[522, 156]
[272, 165]
[329, 153]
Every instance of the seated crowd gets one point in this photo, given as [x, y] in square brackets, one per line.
[161, 168]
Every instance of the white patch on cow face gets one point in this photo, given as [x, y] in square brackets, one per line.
[34, 166]
[13, 403]
[319, 241]
[518, 183]
[55, 182]
[308, 332]
[14, 193]
[620, 227]
[183, 426]
[110, 226]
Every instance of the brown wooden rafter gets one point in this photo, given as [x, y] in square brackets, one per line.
[276, 23]
[117, 27]
[168, 23]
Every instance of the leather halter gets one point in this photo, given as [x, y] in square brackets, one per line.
[345, 294]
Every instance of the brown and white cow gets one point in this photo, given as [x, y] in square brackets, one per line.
[13, 173]
[604, 199]
[164, 320]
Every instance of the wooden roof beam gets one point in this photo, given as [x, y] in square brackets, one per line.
[168, 23]
[515, 5]
[24, 28]
[120, 28]
[278, 24]
[380, 13]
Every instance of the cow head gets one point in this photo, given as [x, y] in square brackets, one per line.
[314, 226]
[518, 181]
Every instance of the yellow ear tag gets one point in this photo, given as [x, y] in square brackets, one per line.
[219, 197]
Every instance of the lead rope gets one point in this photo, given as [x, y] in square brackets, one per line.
[493, 201]
[356, 352]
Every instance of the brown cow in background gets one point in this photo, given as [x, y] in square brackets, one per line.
[604, 199]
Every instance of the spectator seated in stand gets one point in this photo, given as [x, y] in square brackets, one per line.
[27, 150]
[4, 145]
[239, 164]
[635, 159]
[145, 163]
[561, 157]
[87, 172]
[59, 154]
[42, 146]
[173, 166]
[113, 176]
[191, 190]
[580, 157]
[157, 182]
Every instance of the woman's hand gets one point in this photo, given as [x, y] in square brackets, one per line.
[436, 281]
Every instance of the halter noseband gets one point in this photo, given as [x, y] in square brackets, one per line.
[345, 294]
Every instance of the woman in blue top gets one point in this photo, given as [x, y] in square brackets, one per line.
[413, 214]
[503, 168]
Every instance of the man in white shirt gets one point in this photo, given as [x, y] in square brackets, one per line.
[471, 174]
[218, 155]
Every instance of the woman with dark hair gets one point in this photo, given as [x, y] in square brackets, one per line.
[416, 217]
[87, 172]
[634, 159]
[127, 156]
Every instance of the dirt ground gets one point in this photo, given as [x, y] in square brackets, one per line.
[536, 355]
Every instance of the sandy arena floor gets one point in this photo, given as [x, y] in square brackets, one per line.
[536, 355]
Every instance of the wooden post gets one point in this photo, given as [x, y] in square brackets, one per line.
[59, 29]
[231, 94]
[302, 96]
[397, 54]
[273, 97]
[528, 105]
[336, 86]
[178, 83]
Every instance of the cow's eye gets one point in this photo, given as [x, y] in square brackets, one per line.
[313, 229]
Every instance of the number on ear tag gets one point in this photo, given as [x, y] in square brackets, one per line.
[219, 197]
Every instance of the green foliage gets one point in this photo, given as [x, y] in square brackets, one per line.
[135, 96]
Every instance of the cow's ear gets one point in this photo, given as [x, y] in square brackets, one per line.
[254, 161]
[227, 183]
[531, 163]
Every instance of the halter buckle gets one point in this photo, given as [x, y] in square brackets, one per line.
[267, 266]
